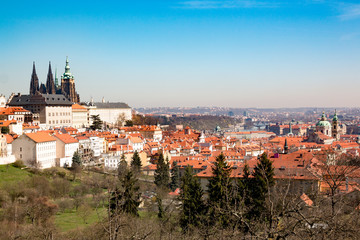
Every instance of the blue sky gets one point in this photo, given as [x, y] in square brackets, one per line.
[189, 53]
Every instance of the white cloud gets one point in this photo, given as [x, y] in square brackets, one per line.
[349, 36]
[226, 4]
[350, 12]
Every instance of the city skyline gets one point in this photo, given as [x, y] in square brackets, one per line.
[189, 53]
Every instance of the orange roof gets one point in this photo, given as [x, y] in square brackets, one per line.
[135, 140]
[66, 138]
[9, 138]
[39, 137]
[77, 106]
[6, 123]
[12, 110]
[306, 199]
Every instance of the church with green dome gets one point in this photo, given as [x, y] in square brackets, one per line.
[333, 129]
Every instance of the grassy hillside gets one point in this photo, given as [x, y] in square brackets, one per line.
[9, 173]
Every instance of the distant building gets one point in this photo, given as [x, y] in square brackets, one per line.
[54, 110]
[67, 87]
[109, 112]
[2, 101]
[79, 116]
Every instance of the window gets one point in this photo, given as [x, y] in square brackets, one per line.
[20, 149]
[20, 155]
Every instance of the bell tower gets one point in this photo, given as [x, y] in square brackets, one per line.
[335, 127]
[68, 84]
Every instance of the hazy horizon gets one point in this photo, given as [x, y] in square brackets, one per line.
[244, 54]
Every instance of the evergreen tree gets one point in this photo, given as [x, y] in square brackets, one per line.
[96, 122]
[161, 212]
[193, 206]
[126, 199]
[244, 186]
[162, 172]
[76, 159]
[5, 130]
[220, 191]
[122, 167]
[243, 196]
[175, 177]
[136, 163]
[261, 184]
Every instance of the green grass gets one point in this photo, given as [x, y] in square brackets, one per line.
[71, 220]
[8, 173]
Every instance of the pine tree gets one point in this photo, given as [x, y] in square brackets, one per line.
[161, 212]
[244, 186]
[76, 159]
[220, 191]
[193, 207]
[175, 177]
[126, 199]
[96, 122]
[243, 200]
[162, 172]
[261, 184]
[122, 167]
[136, 163]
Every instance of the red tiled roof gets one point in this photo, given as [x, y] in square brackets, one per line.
[66, 138]
[39, 137]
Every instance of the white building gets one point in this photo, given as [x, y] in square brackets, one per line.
[109, 112]
[50, 110]
[36, 149]
[79, 116]
[96, 146]
[66, 146]
[136, 143]
[6, 156]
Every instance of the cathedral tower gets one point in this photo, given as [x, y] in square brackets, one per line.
[50, 85]
[68, 84]
[34, 83]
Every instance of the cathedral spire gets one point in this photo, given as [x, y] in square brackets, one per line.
[50, 85]
[34, 83]
[56, 79]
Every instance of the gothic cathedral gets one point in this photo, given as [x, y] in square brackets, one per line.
[67, 87]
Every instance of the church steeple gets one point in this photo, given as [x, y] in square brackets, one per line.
[68, 84]
[50, 85]
[34, 83]
[67, 73]
[286, 147]
[335, 118]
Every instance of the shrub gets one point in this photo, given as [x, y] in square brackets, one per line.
[65, 204]
[18, 164]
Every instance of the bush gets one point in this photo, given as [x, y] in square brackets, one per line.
[65, 204]
[60, 187]
[4, 198]
[18, 164]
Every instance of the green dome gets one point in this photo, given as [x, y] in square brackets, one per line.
[323, 122]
